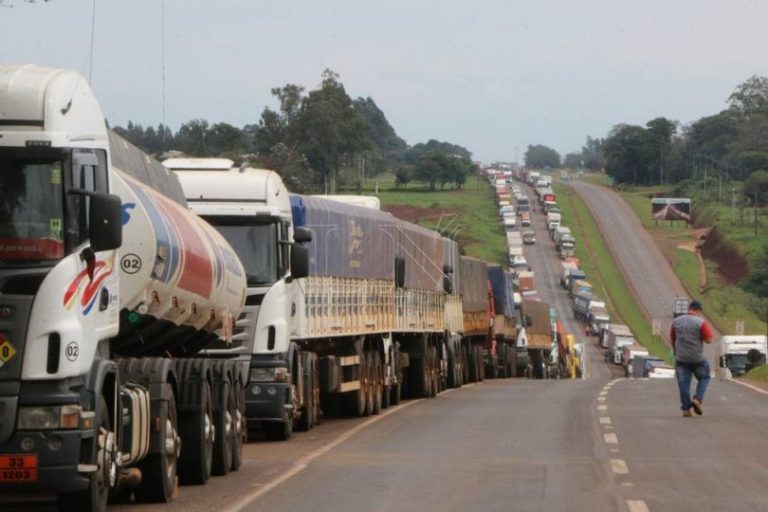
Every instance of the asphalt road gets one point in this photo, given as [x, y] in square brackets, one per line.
[547, 270]
[648, 273]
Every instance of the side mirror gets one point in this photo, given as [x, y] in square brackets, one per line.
[528, 320]
[399, 272]
[299, 261]
[104, 221]
[447, 269]
[447, 285]
[301, 235]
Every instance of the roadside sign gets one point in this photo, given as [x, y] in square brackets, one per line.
[656, 327]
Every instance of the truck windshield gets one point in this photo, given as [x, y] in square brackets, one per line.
[255, 244]
[31, 206]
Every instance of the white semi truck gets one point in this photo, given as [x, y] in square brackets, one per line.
[109, 291]
[378, 316]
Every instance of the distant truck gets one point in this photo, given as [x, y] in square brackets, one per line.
[505, 322]
[597, 319]
[628, 355]
[680, 307]
[570, 275]
[741, 353]
[559, 232]
[553, 220]
[584, 303]
[525, 282]
[616, 337]
[522, 205]
[534, 343]
[525, 219]
[566, 246]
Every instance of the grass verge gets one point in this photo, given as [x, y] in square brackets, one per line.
[759, 374]
[477, 226]
[604, 273]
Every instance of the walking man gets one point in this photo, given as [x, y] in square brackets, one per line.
[688, 334]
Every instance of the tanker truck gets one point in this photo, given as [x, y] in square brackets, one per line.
[366, 321]
[110, 289]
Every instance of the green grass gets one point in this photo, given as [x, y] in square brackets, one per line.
[478, 227]
[759, 374]
[603, 272]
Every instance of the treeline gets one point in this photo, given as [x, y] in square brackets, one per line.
[717, 160]
[725, 147]
[319, 141]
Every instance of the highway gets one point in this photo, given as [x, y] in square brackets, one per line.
[600, 444]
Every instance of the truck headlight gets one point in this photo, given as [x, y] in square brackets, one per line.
[49, 417]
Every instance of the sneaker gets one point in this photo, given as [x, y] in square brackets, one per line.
[687, 414]
[697, 406]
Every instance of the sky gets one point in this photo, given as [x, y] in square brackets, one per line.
[492, 76]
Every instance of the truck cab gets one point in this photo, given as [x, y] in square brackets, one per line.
[742, 353]
[251, 209]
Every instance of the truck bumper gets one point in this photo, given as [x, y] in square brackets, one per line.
[58, 453]
[265, 401]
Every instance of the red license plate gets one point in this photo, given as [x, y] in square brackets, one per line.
[18, 468]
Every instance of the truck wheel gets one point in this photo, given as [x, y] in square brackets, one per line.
[94, 498]
[377, 385]
[317, 411]
[241, 431]
[197, 437]
[371, 376]
[158, 470]
[304, 423]
[397, 389]
[225, 431]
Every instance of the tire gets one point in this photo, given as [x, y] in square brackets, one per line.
[397, 389]
[435, 373]
[159, 470]
[241, 431]
[224, 441]
[479, 359]
[197, 437]
[317, 411]
[94, 498]
[453, 374]
[305, 423]
[378, 384]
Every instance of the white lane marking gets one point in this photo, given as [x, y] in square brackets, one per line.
[619, 467]
[610, 438]
[603, 393]
[637, 506]
[605, 420]
[602, 407]
[608, 427]
[613, 450]
[246, 502]
[750, 386]
[601, 399]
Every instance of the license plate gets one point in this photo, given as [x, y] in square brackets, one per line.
[18, 468]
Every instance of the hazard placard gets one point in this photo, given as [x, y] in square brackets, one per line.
[7, 351]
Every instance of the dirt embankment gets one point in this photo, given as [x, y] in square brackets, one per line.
[732, 265]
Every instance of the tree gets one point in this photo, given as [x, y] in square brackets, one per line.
[191, 138]
[756, 188]
[660, 131]
[387, 147]
[751, 96]
[627, 154]
[573, 160]
[330, 128]
[543, 157]
[592, 154]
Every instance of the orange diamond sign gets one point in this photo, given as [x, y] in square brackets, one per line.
[6, 351]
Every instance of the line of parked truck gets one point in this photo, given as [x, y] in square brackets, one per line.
[544, 348]
[619, 344]
[151, 316]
